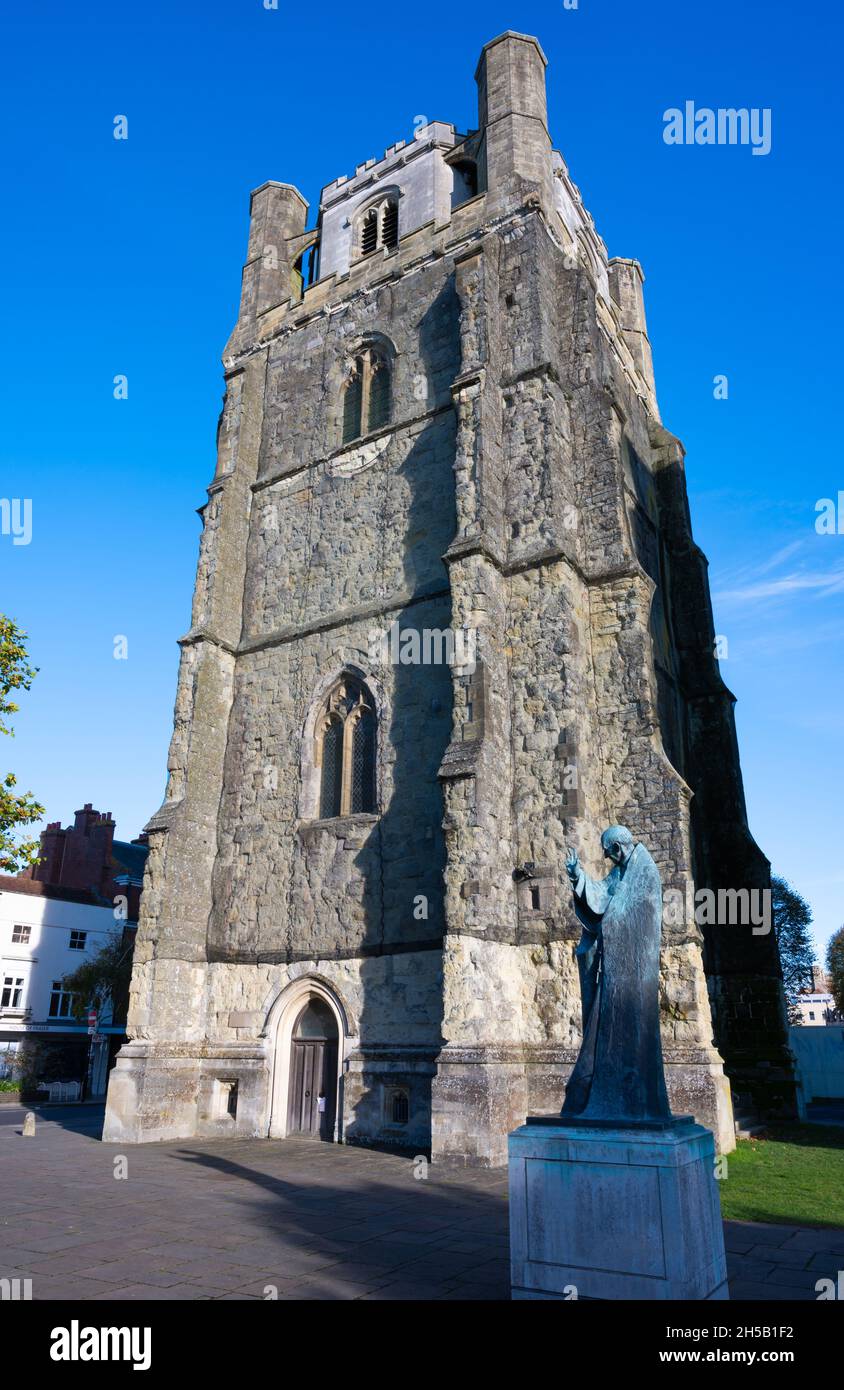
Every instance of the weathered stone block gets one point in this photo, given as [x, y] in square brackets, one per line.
[615, 1214]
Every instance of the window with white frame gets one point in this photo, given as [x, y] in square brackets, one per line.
[77, 940]
[61, 1001]
[12, 993]
[21, 935]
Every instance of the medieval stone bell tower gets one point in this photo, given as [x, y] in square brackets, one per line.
[440, 423]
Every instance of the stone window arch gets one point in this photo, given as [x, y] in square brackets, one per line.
[303, 272]
[367, 393]
[346, 745]
[377, 226]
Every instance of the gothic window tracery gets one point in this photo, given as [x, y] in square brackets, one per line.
[346, 750]
[366, 395]
[378, 227]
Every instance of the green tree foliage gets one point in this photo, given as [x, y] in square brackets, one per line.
[835, 967]
[102, 979]
[15, 810]
[792, 917]
[41, 1060]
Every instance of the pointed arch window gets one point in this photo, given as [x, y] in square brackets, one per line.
[366, 395]
[378, 227]
[346, 751]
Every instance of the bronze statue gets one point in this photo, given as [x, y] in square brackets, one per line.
[619, 1074]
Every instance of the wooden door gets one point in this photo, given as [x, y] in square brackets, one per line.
[313, 1068]
[306, 1068]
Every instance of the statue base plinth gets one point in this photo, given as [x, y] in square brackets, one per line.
[579, 1122]
[620, 1212]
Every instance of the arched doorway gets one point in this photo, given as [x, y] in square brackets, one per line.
[282, 1031]
[312, 1084]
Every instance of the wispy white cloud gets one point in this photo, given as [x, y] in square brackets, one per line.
[823, 584]
[778, 556]
[758, 581]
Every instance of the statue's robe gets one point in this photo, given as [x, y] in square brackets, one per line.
[619, 1071]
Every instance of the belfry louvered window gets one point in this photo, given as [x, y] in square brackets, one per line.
[369, 232]
[390, 224]
[366, 395]
[379, 227]
[346, 748]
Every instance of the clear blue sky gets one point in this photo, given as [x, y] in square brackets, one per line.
[125, 257]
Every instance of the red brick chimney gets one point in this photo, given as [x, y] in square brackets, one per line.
[80, 855]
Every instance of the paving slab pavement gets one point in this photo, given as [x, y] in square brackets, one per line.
[292, 1219]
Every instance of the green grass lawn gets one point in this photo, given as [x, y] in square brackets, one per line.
[793, 1174]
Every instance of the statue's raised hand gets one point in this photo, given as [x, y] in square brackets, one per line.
[572, 864]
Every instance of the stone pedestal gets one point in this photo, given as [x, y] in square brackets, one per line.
[615, 1213]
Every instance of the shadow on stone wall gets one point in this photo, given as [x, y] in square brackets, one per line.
[401, 976]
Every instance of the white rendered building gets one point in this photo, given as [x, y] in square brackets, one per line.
[45, 934]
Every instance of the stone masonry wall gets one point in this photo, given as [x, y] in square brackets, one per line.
[524, 490]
